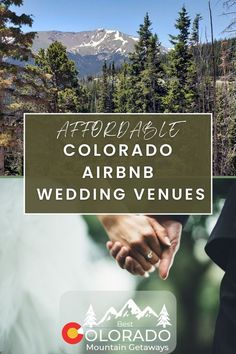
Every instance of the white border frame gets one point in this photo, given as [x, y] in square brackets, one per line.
[115, 114]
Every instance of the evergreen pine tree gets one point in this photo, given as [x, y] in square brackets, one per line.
[164, 318]
[68, 95]
[16, 44]
[112, 73]
[181, 68]
[195, 35]
[121, 90]
[92, 94]
[55, 61]
[145, 77]
[197, 65]
[152, 83]
[104, 104]
[137, 64]
[13, 41]
[90, 319]
[138, 58]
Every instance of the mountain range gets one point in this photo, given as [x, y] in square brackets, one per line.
[89, 49]
[129, 310]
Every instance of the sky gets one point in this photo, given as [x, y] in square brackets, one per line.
[122, 15]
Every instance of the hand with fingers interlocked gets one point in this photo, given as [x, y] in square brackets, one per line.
[140, 244]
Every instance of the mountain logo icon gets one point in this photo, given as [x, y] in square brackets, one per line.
[130, 310]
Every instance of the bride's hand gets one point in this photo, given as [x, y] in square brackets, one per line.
[138, 236]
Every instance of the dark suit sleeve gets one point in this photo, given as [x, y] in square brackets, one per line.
[223, 235]
[222, 186]
[181, 218]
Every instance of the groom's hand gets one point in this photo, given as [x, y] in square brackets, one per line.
[174, 230]
[136, 236]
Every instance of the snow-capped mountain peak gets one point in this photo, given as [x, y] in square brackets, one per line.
[88, 42]
[111, 313]
[130, 308]
[147, 312]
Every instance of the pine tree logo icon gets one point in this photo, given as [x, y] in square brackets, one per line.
[164, 318]
[90, 318]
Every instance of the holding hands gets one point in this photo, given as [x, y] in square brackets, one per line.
[140, 244]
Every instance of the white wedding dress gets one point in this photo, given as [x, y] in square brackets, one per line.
[42, 257]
